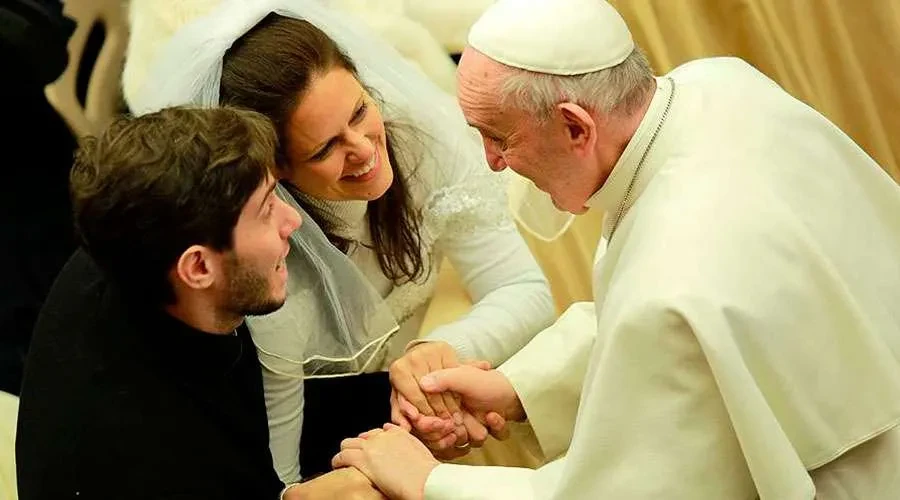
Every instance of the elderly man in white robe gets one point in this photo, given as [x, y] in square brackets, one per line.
[744, 340]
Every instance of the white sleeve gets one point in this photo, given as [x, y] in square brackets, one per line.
[284, 405]
[468, 216]
[651, 424]
[466, 482]
[511, 296]
[548, 375]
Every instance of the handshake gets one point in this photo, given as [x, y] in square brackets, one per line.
[440, 409]
[450, 406]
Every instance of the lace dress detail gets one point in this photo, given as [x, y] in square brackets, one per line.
[477, 205]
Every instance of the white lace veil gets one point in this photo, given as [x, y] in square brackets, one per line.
[333, 322]
[188, 69]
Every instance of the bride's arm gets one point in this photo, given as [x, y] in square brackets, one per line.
[511, 297]
[510, 294]
[284, 405]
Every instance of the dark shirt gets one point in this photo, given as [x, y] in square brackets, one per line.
[119, 401]
[337, 408]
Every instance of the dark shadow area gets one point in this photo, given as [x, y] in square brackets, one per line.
[36, 237]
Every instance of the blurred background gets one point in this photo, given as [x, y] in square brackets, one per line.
[62, 78]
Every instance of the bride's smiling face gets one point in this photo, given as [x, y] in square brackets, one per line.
[336, 143]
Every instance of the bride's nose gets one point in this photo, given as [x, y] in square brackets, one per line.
[361, 147]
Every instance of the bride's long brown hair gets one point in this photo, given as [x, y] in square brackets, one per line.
[268, 70]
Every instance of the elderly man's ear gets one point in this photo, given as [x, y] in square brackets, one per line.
[580, 126]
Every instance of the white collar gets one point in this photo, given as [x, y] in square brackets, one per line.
[346, 218]
[628, 178]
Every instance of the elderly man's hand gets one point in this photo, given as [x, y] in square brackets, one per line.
[392, 459]
[350, 484]
[482, 391]
[485, 394]
[448, 442]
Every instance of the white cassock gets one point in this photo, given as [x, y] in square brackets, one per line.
[747, 310]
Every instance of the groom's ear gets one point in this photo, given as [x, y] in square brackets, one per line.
[196, 268]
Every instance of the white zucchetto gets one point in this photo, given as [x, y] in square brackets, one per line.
[559, 37]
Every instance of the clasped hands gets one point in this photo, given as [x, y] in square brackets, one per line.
[450, 407]
[430, 410]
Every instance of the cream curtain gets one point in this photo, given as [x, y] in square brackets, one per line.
[838, 56]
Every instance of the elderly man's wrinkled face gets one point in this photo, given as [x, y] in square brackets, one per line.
[539, 151]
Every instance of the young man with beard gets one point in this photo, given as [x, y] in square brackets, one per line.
[142, 380]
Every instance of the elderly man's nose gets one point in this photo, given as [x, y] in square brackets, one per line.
[497, 163]
[494, 159]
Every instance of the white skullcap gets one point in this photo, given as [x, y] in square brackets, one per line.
[559, 37]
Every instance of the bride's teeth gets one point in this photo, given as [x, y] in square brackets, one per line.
[367, 168]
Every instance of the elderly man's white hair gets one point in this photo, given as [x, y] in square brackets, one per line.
[619, 89]
[578, 51]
